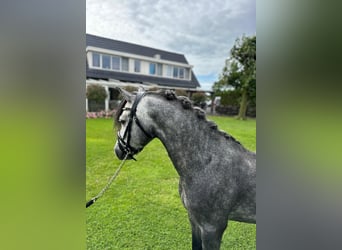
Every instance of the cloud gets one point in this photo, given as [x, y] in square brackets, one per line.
[202, 30]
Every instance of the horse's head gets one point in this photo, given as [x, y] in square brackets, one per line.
[133, 132]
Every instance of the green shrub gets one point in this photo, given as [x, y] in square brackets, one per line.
[180, 92]
[131, 89]
[96, 92]
[230, 98]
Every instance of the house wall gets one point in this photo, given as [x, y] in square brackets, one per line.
[145, 66]
[131, 65]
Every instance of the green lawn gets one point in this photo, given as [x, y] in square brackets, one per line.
[142, 209]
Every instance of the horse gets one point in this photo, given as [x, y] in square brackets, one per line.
[217, 175]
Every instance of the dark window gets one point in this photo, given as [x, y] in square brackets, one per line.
[159, 69]
[106, 61]
[175, 72]
[96, 59]
[181, 73]
[152, 68]
[125, 65]
[116, 62]
[136, 65]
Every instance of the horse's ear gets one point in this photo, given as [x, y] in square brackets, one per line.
[141, 89]
[126, 95]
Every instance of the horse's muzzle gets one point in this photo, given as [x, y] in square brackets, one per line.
[121, 154]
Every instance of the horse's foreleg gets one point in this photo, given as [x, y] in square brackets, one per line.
[196, 236]
[211, 237]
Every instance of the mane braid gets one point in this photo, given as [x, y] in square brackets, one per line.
[200, 113]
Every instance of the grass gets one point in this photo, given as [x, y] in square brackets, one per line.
[142, 209]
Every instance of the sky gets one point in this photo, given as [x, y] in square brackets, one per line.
[204, 31]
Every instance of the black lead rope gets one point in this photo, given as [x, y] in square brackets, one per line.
[125, 146]
[92, 201]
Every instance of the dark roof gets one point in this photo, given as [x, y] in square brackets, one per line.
[105, 43]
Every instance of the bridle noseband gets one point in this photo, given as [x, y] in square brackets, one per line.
[125, 146]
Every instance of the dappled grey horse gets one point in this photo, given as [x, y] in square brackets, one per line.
[217, 174]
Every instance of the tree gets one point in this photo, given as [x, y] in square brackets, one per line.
[240, 72]
[199, 99]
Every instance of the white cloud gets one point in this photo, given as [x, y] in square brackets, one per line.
[202, 30]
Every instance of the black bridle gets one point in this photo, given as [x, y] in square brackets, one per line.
[125, 145]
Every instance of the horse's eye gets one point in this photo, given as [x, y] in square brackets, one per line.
[122, 121]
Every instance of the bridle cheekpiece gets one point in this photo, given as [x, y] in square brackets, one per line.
[125, 145]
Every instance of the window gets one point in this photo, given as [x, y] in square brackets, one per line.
[136, 65]
[96, 60]
[181, 73]
[159, 69]
[152, 68]
[169, 70]
[106, 61]
[116, 62]
[175, 72]
[124, 64]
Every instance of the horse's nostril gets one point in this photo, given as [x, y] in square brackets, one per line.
[119, 153]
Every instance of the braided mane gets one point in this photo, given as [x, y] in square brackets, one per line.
[200, 113]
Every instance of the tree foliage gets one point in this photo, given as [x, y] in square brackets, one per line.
[198, 98]
[239, 73]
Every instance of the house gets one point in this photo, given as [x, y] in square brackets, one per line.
[112, 63]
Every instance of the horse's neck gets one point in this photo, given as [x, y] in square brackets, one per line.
[182, 134]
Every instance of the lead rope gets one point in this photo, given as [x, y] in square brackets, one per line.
[92, 201]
